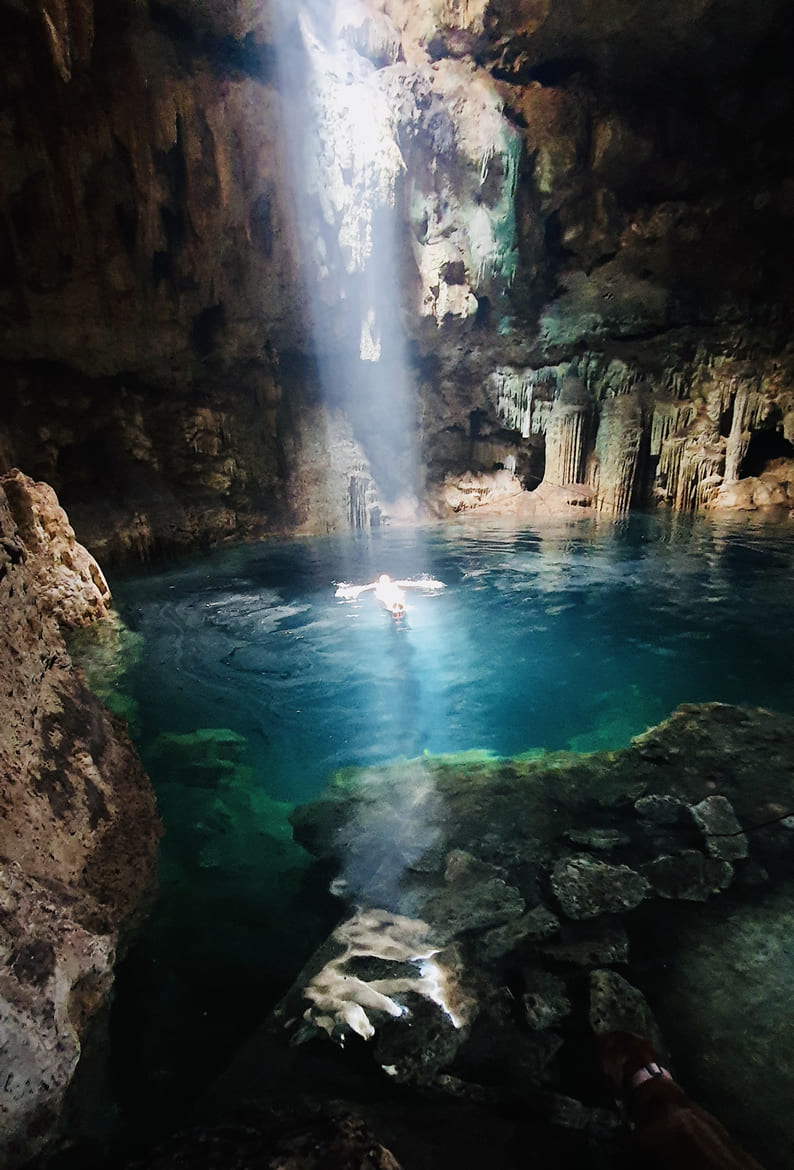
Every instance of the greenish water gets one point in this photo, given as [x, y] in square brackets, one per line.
[247, 683]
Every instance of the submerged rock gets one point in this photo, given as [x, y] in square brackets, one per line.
[617, 1006]
[721, 830]
[586, 888]
[725, 1007]
[689, 876]
[601, 840]
[661, 810]
[464, 844]
[476, 896]
[589, 944]
[533, 927]
[546, 1003]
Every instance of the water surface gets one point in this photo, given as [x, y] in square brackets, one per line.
[254, 683]
[576, 636]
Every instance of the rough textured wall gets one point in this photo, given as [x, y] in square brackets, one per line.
[78, 825]
[240, 243]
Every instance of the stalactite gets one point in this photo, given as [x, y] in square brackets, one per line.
[613, 471]
[468, 14]
[669, 469]
[749, 409]
[515, 395]
[669, 418]
[691, 470]
[565, 440]
[719, 401]
[362, 500]
[567, 434]
[608, 380]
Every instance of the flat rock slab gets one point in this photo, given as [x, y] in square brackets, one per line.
[586, 888]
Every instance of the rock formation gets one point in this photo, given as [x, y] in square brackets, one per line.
[78, 831]
[277, 268]
[476, 923]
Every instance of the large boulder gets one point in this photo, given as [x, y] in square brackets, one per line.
[78, 823]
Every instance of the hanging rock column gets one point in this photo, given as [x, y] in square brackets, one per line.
[618, 450]
[568, 433]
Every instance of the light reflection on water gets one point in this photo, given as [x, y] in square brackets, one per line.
[575, 636]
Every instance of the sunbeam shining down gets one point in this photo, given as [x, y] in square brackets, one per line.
[346, 170]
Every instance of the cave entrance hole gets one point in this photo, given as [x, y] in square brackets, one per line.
[765, 446]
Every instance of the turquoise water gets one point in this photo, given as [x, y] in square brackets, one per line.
[253, 683]
[578, 636]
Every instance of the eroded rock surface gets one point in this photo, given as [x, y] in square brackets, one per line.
[673, 807]
[78, 824]
[278, 268]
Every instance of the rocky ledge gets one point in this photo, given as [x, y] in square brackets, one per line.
[500, 912]
[78, 823]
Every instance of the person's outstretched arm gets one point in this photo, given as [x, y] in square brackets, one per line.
[351, 592]
[421, 583]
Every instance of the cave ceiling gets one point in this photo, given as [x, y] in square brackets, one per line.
[570, 179]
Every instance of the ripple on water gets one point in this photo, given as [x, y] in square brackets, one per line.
[577, 637]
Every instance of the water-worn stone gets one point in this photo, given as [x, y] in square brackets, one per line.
[589, 943]
[587, 888]
[661, 810]
[725, 1006]
[617, 1006]
[67, 580]
[534, 926]
[721, 830]
[440, 828]
[475, 897]
[546, 1002]
[601, 840]
[688, 876]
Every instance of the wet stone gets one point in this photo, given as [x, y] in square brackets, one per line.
[546, 1003]
[568, 1113]
[587, 888]
[688, 876]
[661, 810]
[534, 926]
[475, 897]
[618, 1006]
[602, 840]
[500, 1052]
[721, 830]
[589, 944]
[415, 1054]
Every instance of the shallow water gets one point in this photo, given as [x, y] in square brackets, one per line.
[578, 636]
[575, 636]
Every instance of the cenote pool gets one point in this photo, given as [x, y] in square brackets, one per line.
[247, 683]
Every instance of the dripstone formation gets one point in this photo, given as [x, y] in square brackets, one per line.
[278, 268]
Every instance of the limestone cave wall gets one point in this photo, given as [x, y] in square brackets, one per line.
[240, 244]
[78, 824]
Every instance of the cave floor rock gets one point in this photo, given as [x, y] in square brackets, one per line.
[499, 912]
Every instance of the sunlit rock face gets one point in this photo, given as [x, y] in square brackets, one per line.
[243, 243]
[78, 825]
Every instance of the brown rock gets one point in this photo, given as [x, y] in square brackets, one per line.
[78, 824]
[67, 581]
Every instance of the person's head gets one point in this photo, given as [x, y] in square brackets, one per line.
[384, 579]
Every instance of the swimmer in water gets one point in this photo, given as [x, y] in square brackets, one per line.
[389, 593]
